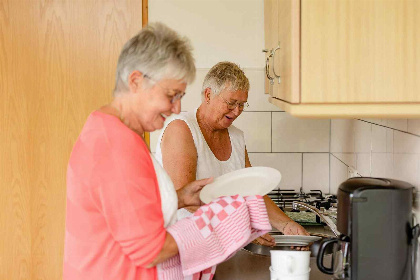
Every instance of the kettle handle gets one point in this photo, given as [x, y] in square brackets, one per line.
[320, 257]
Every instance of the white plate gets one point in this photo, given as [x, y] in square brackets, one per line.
[245, 181]
[302, 240]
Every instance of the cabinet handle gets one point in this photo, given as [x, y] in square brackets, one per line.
[274, 61]
[267, 66]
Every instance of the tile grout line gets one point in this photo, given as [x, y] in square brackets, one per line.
[301, 178]
[271, 132]
[329, 159]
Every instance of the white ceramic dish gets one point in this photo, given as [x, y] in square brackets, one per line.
[298, 240]
[245, 181]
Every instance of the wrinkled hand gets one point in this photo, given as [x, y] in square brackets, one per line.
[265, 240]
[189, 195]
[293, 228]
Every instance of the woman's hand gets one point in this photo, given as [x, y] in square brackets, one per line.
[293, 228]
[189, 195]
[265, 240]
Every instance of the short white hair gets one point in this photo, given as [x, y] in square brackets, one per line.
[158, 52]
[225, 75]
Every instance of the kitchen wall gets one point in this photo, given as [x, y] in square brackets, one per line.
[298, 148]
[310, 153]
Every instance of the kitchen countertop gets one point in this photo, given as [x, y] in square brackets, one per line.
[246, 265]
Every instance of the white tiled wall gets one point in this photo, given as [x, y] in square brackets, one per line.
[309, 153]
[382, 148]
[218, 29]
[289, 164]
[300, 135]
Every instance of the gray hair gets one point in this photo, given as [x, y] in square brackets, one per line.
[158, 52]
[225, 75]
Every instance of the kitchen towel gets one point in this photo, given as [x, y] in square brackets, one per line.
[212, 234]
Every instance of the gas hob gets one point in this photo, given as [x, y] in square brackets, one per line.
[325, 203]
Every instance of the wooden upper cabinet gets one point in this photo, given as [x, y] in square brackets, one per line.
[345, 58]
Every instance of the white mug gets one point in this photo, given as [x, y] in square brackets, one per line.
[290, 262]
[274, 275]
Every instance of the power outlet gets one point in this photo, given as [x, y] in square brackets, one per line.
[351, 172]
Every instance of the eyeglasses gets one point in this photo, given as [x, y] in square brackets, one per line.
[232, 105]
[174, 95]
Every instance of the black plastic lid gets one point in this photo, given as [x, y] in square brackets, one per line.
[364, 183]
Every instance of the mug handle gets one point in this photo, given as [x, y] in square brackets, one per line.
[320, 257]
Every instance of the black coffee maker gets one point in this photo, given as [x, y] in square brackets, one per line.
[378, 239]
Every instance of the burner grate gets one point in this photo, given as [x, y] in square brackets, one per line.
[284, 199]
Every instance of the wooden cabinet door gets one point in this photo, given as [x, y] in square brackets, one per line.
[271, 28]
[281, 18]
[287, 55]
[360, 51]
[57, 64]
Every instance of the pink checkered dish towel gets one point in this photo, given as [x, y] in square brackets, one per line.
[215, 232]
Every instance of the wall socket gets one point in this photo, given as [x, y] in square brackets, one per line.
[352, 172]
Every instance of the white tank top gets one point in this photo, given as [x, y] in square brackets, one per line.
[207, 163]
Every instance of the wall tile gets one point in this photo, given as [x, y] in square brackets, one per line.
[316, 172]
[192, 99]
[257, 130]
[257, 99]
[362, 137]
[379, 139]
[400, 124]
[348, 159]
[289, 165]
[389, 140]
[342, 136]
[414, 126]
[406, 168]
[291, 134]
[338, 174]
[406, 143]
[382, 165]
[418, 180]
[235, 34]
[363, 164]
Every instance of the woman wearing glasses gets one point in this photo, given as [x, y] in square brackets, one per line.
[204, 143]
[121, 205]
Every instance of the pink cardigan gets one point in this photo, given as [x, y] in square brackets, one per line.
[114, 222]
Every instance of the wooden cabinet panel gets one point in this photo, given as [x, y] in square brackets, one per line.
[352, 58]
[287, 57]
[282, 24]
[271, 27]
[360, 51]
[57, 63]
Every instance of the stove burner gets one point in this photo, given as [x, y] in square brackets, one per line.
[284, 199]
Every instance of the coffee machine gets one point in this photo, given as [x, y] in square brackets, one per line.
[378, 238]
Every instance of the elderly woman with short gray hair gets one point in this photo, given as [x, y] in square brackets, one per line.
[208, 145]
[119, 199]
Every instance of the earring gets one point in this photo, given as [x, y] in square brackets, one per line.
[208, 102]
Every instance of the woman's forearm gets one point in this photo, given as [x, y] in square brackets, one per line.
[277, 217]
[169, 249]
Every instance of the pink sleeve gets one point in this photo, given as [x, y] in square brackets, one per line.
[127, 193]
